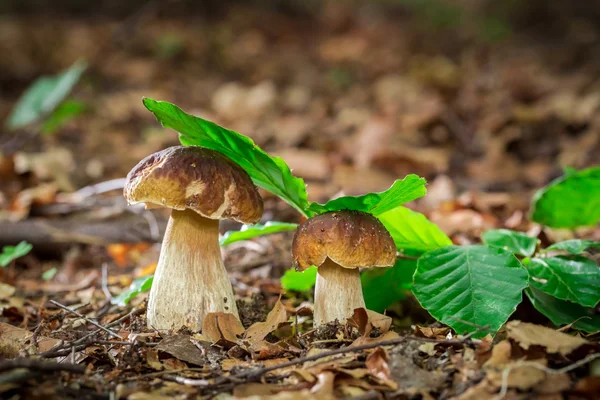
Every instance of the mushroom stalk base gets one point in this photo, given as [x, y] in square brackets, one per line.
[337, 293]
[190, 279]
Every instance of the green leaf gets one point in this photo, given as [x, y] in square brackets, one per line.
[138, 286]
[573, 246]
[478, 284]
[413, 231]
[270, 173]
[10, 253]
[250, 231]
[44, 95]
[383, 287]
[562, 312]
[570, 201]
[573, 278]
[299, 281]
[66, 112]
[515, 242]
[402, 191]
[49, 274]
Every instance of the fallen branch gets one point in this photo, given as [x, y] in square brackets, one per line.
[39, 365]
[255, 374]
[56, 303]
[84, 341]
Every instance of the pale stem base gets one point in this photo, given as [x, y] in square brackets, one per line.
[337, 293]
[190, 279]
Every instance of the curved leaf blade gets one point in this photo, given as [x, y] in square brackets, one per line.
[573, 246]
[562, 312]
[570, 201]
[382, 287]
[478, 284]
[515, 242]
[402, 191]
[413, 231]
[138, 286]
[252, 231]
[10, 253]
[299, 281]
[44, 95]
[270, 173]
[575, 279]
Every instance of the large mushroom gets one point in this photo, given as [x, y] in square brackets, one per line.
[339, 243]
[201, 187]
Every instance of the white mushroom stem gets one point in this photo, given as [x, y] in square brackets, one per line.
[190, 279]
[337, 293]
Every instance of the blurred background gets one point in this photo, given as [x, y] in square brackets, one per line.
[488, 100]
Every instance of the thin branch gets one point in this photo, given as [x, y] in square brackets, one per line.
[255, 374]
[82, 342]
[39, 365]
[86, 319]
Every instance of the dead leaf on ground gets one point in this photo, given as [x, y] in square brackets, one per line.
[520, 376]
[431, 333]
[6, 290]
[377, 364]
[365, 320]
[180, 347]
[14, 340]
[390, 335]
[527, 335]
[409, 376]
[153, 361]
[324, 386]
[222, 328]
[259, 330]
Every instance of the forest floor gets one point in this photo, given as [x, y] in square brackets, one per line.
[352, 99]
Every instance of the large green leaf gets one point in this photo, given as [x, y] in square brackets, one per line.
[138, 286]
[402, 191]
[300, 281]
[10, 253]
[478, 284]
[270, 173]
[574, 278]
[43, 96]
[570, 201]
[573, 246]
[383, 287]
[562, 312]
[251, 231]
[515, 242]
[413, 231]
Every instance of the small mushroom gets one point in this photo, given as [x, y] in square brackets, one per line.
[339, 243]
[201, 187]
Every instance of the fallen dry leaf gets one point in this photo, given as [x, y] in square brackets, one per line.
[520, 376]
[431, 333]
[259, 330]
[377, 364]
[501, 354]
[14, 341]
[222, 328]
[180, 347]
[428, 348]
[153, 361]
[527, 335]
[6, 290]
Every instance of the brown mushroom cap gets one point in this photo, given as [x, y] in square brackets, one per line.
[351, 239]
[195, 178]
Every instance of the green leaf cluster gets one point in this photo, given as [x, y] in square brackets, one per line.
[138, 286]
[10, 253]
[465, 287]
[44, 96]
